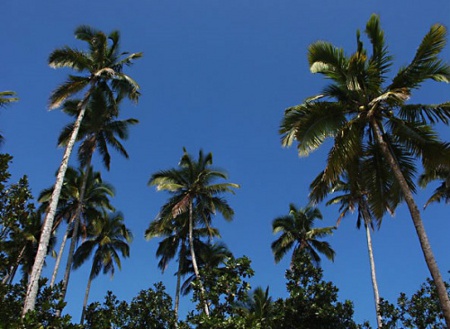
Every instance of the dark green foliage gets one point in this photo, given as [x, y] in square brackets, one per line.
[19, 224]
[260, 311]
[224, 288]
[421, 310]
[47, 303]
[312, 302]
[151, 309]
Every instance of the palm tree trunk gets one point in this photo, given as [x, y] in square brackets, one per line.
[73, 242]
[367, 220]
[58, 259]
[418, 224]
[86, 295]
[194, 260]
[373, 275]
[177, 292]
[33, 284]
[13, 269]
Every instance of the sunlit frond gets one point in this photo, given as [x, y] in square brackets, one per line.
[327, 59]
[7, 97]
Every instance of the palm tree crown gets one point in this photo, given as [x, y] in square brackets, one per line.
[95, 203]
[99, 129]
[102, 64]
[193, 182]
[108, 237]
[357, 101]
[96, 198]
[298, 231]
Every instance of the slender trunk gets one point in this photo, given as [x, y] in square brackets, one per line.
[418, 224]
[177, 292]
[194, 260]
[86, 295]
[59, 257]
[13, 269]
[373, 275]
[33, 284]
[364, 206]
[76, 226]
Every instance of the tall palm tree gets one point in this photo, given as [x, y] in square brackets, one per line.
[358, 108]
[95, 203]
[108, 237]
[192, 187]
[298, 232]
[368, 187]
[103, 65]
[354, 198]
[175, 241]
[98, 130]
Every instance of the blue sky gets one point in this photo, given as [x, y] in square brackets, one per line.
[218, 75]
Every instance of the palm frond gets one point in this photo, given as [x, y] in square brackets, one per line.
[85, 32]
[327, 59]
[426, 113]
[380, 61]
[347, 147]
[69, 57]
[72, 86]
[426, 64]
[125, 86]
[310, 124]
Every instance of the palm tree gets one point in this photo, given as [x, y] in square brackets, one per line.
[108, 237]
[175, 241]
[298, 231]
[358, 108]
[364, 174]
[95, 203]
[191, 186]
[103, 65]
[98, 130]
[442, 192]
[354, 197]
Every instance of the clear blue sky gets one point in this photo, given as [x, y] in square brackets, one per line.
[217, 75]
